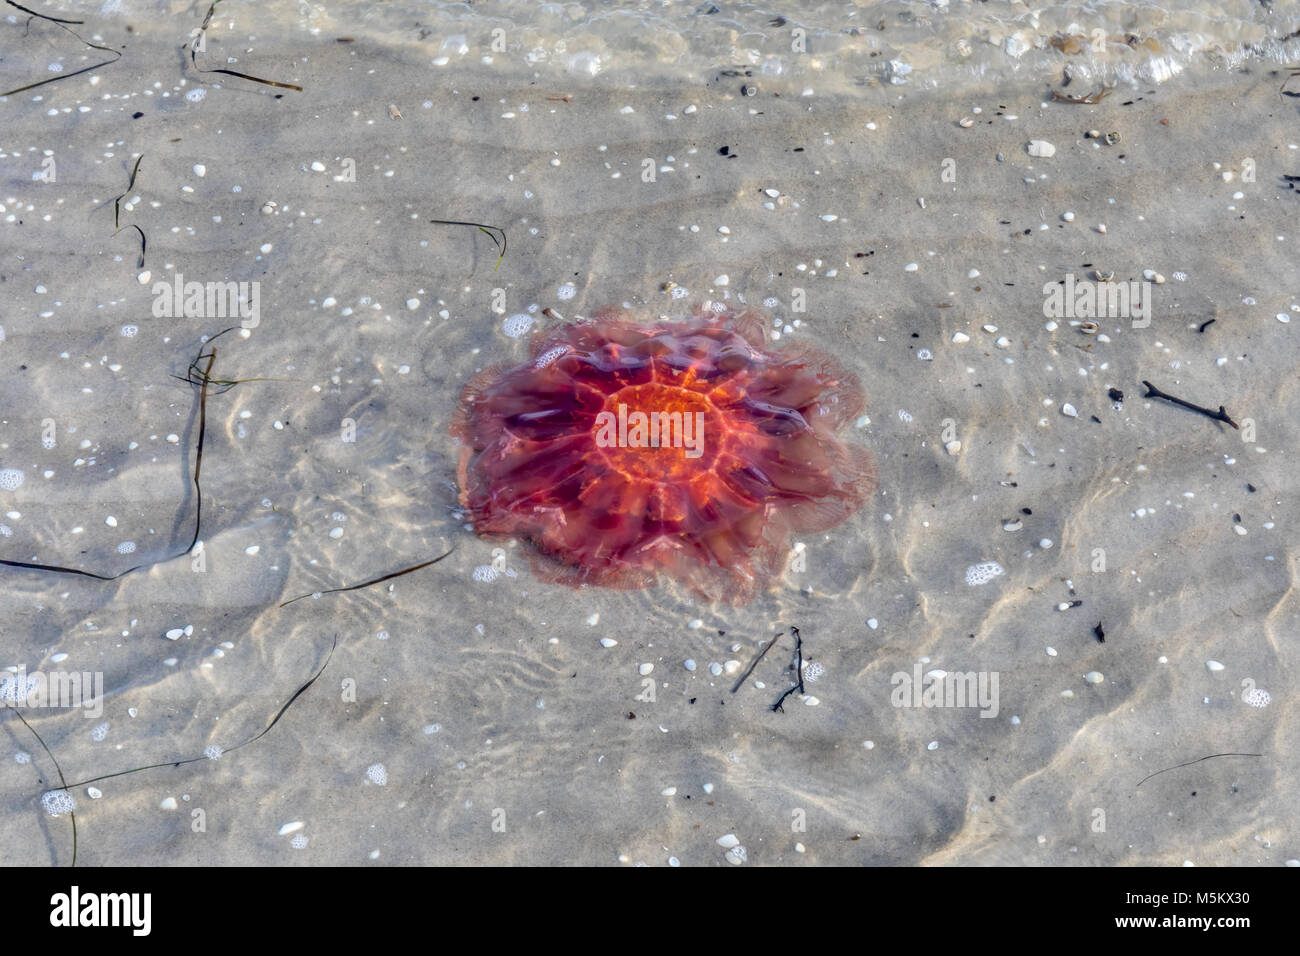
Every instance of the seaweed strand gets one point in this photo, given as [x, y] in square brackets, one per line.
[61, 24]
[198, 39]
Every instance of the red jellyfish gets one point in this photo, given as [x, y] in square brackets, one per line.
[625, 449]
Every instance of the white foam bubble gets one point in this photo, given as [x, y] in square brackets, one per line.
[983, 573]
[1257, 697]
[11, 478]
[517, 325]
[377, 774]
[58, 802]
[549, 357]
[14, 692]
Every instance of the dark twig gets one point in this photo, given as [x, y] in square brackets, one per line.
[798, 685]
[198, 41]
[1206, 324]
[117, 211]
[749, 670]
[59, 770]
[1189, 763]
[61, 25]
[1219, 416]
[42, 16]
[378, 580]
[171, 763]
[117, 200]
[202, 380]
[485, 229]
[144, 245]
[266, 730]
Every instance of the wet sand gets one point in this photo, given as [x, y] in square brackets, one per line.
[482, 721]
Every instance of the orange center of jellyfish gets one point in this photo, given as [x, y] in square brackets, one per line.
[659, 433]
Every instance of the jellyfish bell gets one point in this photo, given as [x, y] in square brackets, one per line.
[625, 449]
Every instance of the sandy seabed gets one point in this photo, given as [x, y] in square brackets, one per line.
[462, 720]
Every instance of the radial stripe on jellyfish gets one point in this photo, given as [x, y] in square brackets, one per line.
[623, 450]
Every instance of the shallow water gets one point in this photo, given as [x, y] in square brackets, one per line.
[480, 719]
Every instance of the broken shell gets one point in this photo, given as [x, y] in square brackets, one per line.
[1012, 524]
[965, 122]
[1112, 138]
[1088, 328]
[1094, 134]
[1104, 276]
[1040, 147]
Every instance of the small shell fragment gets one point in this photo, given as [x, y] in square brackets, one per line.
[966, 122]
[1089, 328]
[394, 112]
[1040, 147]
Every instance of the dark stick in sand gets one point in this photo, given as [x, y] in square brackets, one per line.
[489, 231]
[1219, 416]
[61, 25]
[198, 44]
[750, 669]
[798, 685]
[365, 584]
[1189, 763]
